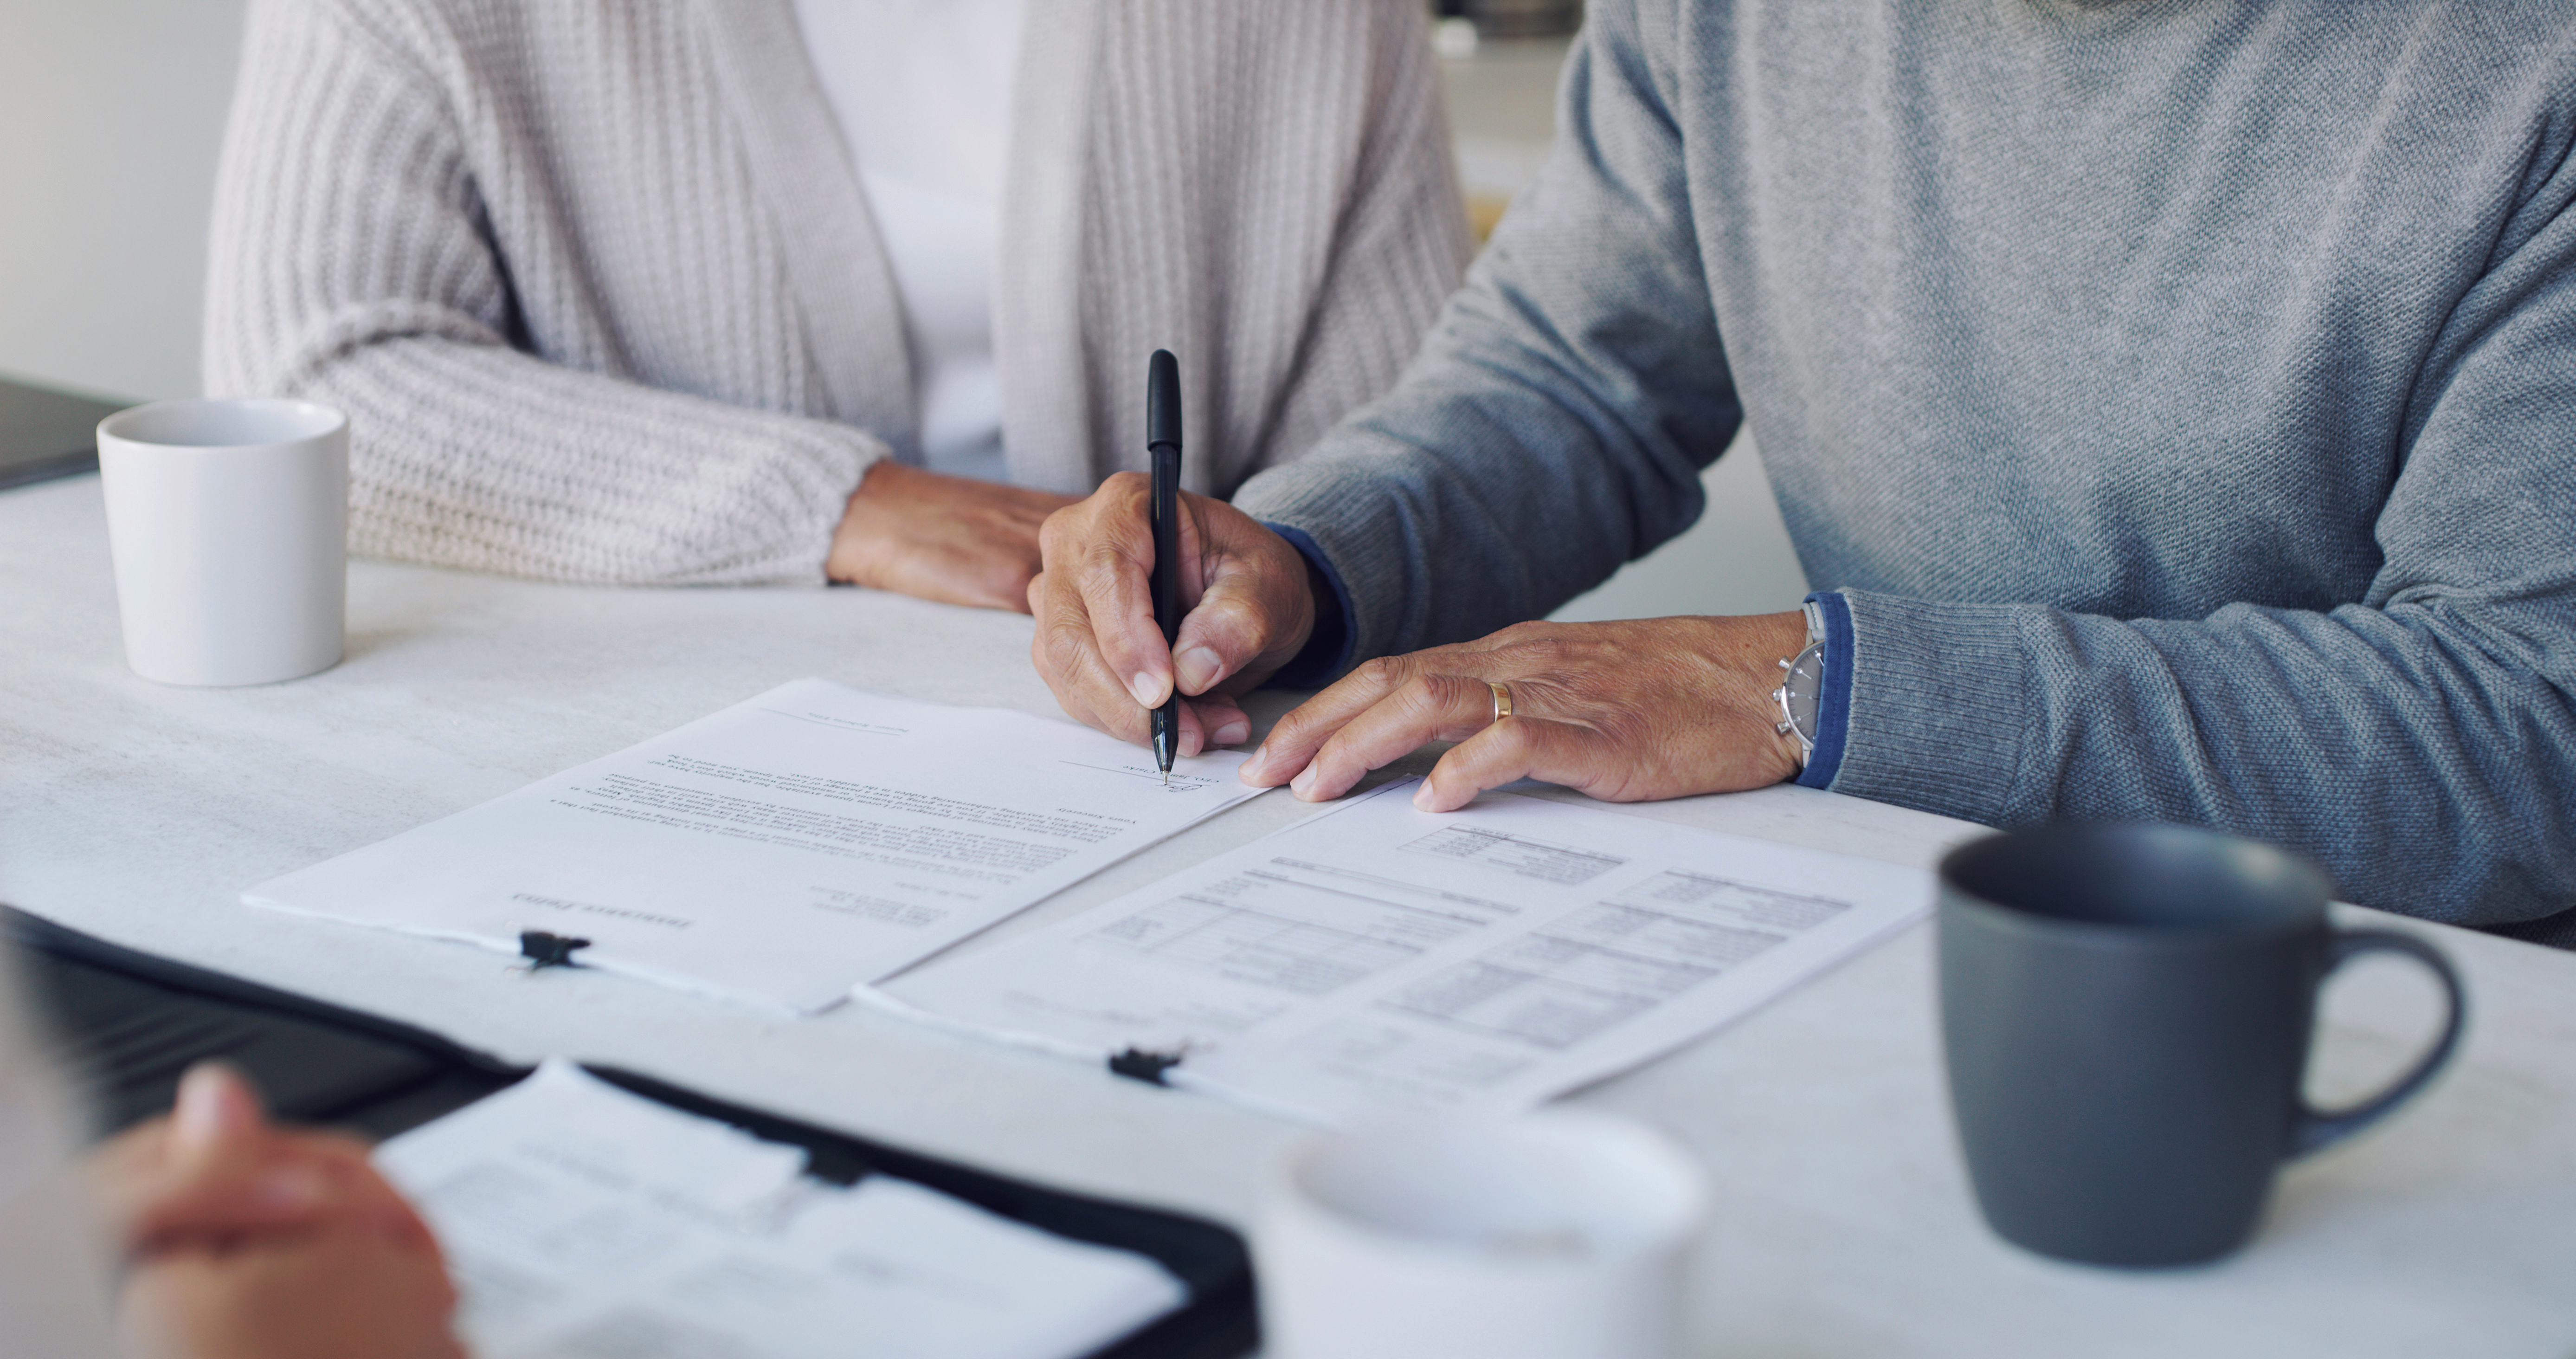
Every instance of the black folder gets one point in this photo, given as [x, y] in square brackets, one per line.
[126, 1024]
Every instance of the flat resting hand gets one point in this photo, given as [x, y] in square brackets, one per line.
[1629, 711]
[952, 539]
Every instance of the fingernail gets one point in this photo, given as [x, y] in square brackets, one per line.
[289, 1187]
[1304, 783]
[1197, 669]
[1232, 733]
[1422, 796]
[1146, 690]
[1254, 767]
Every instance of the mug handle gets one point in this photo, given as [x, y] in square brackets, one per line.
[2317, 1128]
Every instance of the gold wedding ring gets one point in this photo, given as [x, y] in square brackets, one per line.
[1502, 699]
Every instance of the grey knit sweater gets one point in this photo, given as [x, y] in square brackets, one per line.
[599, 290]
[2182, 396]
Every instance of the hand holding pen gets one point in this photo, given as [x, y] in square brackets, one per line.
[1243, 597]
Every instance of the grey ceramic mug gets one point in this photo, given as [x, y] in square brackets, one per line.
[2126, 1011]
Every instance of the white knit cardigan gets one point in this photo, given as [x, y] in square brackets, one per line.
[597, 286]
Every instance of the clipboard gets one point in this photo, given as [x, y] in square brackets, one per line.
[126, 1024]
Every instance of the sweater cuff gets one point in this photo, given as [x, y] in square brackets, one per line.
[1936, 705]
[1833, 696]
[1329, 648]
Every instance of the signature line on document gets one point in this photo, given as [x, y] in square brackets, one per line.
[1138, 773]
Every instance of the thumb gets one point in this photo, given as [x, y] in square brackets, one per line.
[216, 1108]
[224, 1170]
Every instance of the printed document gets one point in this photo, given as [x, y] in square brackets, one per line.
[580, 1220]
[782, 850]
[1379, 959]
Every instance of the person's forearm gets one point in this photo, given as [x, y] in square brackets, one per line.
[480, 457]
[2408, 750]
[353, 260]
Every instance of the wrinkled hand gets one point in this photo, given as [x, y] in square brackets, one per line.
[244, 1240]
[1628, 712]
[952, 539]
[1250, 609]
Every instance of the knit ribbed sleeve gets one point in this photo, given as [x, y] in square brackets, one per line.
[1268, 193]
[499, 420]
[1402, 246]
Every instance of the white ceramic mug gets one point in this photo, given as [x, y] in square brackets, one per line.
[229, 523]
[1556, 1235]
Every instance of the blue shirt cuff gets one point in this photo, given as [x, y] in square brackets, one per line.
[1833, 699]
[1329, 648]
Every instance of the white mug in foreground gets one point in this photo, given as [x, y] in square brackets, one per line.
[1555, 1235]
[229, 523]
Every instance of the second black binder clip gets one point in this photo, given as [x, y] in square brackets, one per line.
[543, 950]
[1137, 1064]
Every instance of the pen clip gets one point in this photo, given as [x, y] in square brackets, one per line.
[1163, 402]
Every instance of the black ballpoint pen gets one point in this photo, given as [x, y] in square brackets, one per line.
[1163, 444]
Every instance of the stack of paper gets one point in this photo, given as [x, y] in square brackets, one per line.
[580, 1220]
[1382, 959]
[782, 850]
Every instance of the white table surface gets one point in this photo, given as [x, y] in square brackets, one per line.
[1843, 1224]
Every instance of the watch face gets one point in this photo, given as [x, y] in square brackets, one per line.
[1800, 690]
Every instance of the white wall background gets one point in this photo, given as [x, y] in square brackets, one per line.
[1736, 559]
[111, 113]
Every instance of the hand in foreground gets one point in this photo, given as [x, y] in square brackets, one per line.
[952, 539]
[1251, 607]
[248, 1241]
[1628, 712]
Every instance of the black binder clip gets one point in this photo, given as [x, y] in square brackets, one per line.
[1136, 1064]
[543, 950]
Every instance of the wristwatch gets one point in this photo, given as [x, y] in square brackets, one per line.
[1803, 686]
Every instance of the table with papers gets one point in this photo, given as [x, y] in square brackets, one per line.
[1842, 1223]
